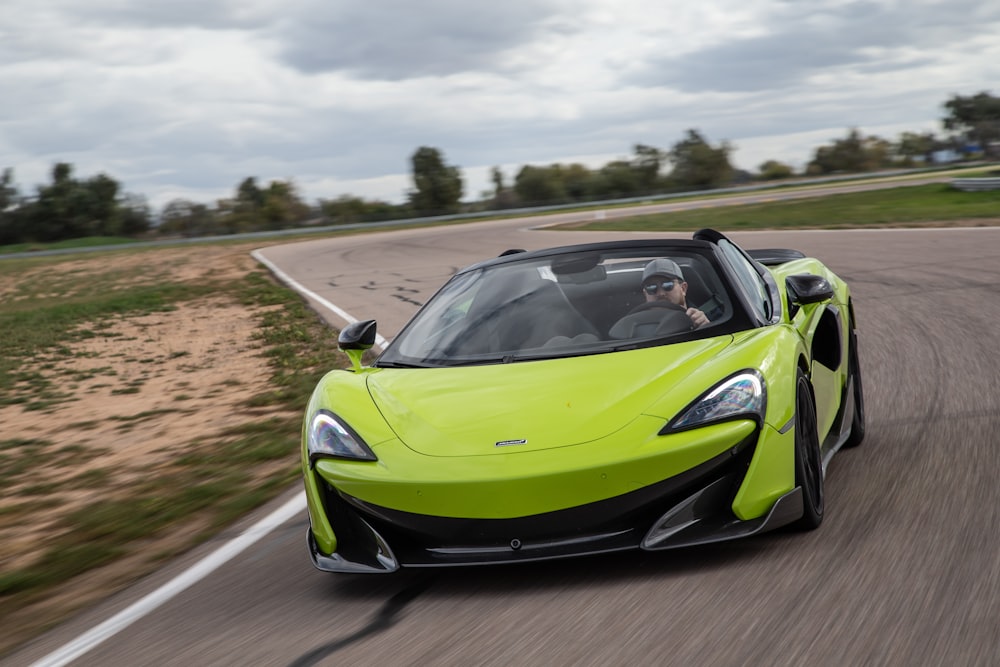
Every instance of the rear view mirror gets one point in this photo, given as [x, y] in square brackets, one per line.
[579, 270]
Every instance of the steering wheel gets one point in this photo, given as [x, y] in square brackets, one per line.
[652, 318]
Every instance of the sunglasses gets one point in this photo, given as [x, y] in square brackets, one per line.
[666, 286]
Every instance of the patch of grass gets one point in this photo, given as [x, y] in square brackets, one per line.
[96, 478]
[28, 508]
[896, 206]
[23, 444]
[299, 347]
[216, 480]
[58, 565]
[18, 456]
[144, 415]
[89, 242]
[263, 441]
[42, 327]
[230, 509]
[41, 489]
[99, 533]
[74, 455]
[47, 404]
[73, 450]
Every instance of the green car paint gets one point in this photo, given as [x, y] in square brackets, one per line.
[450, 463]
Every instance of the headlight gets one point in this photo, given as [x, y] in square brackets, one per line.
[329, 436]
[740, 396]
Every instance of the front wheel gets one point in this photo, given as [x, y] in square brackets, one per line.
[808, 460]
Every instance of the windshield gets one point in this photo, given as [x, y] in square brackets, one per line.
[566, 304]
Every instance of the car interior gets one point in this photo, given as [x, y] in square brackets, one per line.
[567, 305]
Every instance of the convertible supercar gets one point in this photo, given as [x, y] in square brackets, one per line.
[541, 406]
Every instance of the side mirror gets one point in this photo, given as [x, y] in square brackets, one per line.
[355, 338]
[806, 288]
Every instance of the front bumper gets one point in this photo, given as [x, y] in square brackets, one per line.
[693, 507]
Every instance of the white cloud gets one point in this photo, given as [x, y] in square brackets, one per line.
[186, 99]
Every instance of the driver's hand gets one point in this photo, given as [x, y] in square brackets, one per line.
[698, 318]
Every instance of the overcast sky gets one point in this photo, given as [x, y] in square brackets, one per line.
[188, 97]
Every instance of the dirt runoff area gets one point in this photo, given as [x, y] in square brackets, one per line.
[142, 391]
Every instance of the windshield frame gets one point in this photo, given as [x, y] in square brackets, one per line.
[408, 348]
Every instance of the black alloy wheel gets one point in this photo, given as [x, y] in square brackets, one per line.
[808, 460]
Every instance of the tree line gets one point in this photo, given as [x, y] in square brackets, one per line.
[69, 207]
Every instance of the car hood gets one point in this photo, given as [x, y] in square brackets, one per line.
[532, 405]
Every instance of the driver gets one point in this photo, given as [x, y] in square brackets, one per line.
[662, 280]
[665, 310]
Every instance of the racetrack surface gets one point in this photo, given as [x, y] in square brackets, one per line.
[905, 569]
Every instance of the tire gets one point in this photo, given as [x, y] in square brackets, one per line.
[808, 460]
[854, 373]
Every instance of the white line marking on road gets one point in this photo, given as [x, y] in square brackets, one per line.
[214, 560]
[298, 287]
[189, 577]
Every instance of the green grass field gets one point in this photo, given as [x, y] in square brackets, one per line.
[895, 207]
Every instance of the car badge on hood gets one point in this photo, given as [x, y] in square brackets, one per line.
[508, 443]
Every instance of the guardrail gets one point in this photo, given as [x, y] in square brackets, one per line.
[976, 184]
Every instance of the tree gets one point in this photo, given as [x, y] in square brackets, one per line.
[249, 194]
[348, 209]
[187, 218]
[854, 153]
[698, 165]
[102, 207]
[878, 153]
[497, 177]
[8, 191]
[11, 216]
[69, 208]
[438, 186]
[578, 181]
[539, 185]
[134, 215]
[647, 163]
[772, 170]
[916, 146]
[244, 212]
[254, 208]
[617, 179]
[282, 206]
[844, 155]
[977, 117]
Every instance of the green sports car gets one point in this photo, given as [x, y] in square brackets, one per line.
[636, 394]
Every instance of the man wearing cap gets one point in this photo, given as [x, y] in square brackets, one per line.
[665, 310]
[662, 280]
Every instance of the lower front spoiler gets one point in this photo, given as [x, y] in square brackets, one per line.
[382, 561]
[692, 522]
[685, 525]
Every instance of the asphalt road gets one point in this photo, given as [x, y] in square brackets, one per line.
[904, 571]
